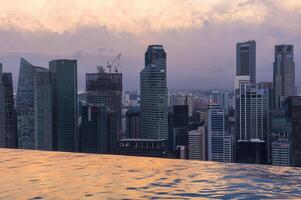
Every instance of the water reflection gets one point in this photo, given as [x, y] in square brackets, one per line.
[48, 175]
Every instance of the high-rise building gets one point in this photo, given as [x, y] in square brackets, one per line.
[64, 103]
[220, 142]
[280, 138]
[154, 95]
[246, 60]
[220, 98]
[197, 144]
[8, 122]
[283, 74]
[252, 123]
[106, 89]
[182, 99]
[34, 109]
[294, 112]
[133, 122]
[95, 131]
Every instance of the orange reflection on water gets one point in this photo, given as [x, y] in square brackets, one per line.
[54, 175]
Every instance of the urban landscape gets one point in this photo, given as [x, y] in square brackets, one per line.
[140, 99]
[255, 123]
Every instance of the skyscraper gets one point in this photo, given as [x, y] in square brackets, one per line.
[34, 111]
[294, 112]
[197, 144]
[220, 142]
[64, 102]
[95, 134]
[154, 95]
[283, 74]
[105, 89]
[133, 122]
[246, 60]
[8, 122]
[252, 123]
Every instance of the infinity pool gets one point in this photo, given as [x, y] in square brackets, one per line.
[53, 175]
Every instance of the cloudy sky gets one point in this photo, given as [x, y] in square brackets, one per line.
[199, 36]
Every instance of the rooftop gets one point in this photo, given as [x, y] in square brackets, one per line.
[54, 175]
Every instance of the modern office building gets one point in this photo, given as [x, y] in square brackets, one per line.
[64, 104]
[34, 108]
[280, 139]
[180, 116]
[182, 99]
[154, 95]
[252, 124]
[8, 122]
[246, 60]
[106, 89]
[197, 144]
[220, 141]
[294, 112]
[133, 122]
[220, 98]
[95, 130]
[283, 75]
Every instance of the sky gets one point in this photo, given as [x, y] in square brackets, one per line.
[199, 36]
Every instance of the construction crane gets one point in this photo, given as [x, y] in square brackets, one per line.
[117, 61]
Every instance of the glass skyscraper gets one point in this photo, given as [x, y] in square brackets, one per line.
[8, 126]
[246, 60]
[154, 94]
[34, 109]
[283, 74]
[105, 89]
[64, 102]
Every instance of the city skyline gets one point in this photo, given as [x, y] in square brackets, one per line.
[193, 41]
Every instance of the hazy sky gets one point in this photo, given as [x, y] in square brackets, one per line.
[199, 36]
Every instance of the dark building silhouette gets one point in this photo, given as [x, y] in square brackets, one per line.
[106, 89]
[96, 131]
[246, 60]
[154, 98]
[180, 116]
[34, 109]
[283, 75]
[8, 123]
[133, 122]
[64, 103]
[294, 112]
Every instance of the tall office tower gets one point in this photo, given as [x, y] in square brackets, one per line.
[294, 112]
[220, 142]
[153, 89]
[252, 124]
[106, 89]
[133, 122]
[8, 121]
[64, 101]
[95, 131]
[283, 74]
[196, 146]
[220, 98]
[34, 109]
[280, 138]
[246, 60]
[182, 99]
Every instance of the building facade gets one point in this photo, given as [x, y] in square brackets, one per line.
[133, 122]
[8, 123]
[64, 103]
[283, 75]
[197, 144]
[246, 60]
[34, 108]
[154, 95]
[220, 142]
[252, 124]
